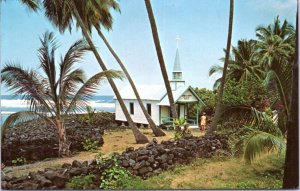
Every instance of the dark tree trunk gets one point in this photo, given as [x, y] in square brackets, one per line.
[291, 169]
[157, 132]
[161, 58]
[218, 111]
[139, 137]
[63, 145]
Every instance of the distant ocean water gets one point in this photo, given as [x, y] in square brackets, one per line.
[11, 104]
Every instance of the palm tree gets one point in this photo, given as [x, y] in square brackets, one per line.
[60, 13]
[52, 97]
[161, 58]
[218, 111]
[243, 64]
[102, 17]
[276, 50]
[291, 173]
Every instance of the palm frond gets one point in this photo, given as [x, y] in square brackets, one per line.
[259, 142]
[88, 89]
[264, 122]
[215, 69]
[20, 117]
[69, 85]
[68, 77]
[31, 4]
[47, 60]
[59, 14]
[217, 84]
[28, 84]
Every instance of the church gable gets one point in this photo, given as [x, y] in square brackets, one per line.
[187, 96]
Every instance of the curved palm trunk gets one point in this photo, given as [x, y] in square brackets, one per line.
[291, 169]
[157, 132]
[218, 112]
[63, 145]
[160, 57]
[139, 137]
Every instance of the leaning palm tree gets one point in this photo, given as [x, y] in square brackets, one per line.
[291, 173]
[61, 13]
[218, 111]
[161, 58]
[100, 16]
[52, 96]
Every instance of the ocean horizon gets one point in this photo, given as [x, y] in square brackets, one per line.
[11, 104]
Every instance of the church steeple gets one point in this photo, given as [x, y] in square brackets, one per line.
[177, 73]
[177, 81]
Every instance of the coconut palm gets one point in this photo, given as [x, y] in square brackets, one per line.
[243, 64]
[218, 112]
[61, 14]
[161, 58]
[276, 52]
[54, 95]
[101, 16]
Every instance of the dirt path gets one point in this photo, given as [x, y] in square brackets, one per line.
[114, 141]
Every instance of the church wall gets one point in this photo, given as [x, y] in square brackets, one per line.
[138, 116]
[165, 112]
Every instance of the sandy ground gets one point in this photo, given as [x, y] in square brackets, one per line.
[114, 141]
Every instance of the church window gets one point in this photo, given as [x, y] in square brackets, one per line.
[131, 107]
[149, 108]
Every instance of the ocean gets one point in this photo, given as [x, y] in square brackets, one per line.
[11, 104]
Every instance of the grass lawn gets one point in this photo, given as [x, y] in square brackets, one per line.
[216, 173]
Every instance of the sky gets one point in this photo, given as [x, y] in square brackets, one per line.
[201, 25]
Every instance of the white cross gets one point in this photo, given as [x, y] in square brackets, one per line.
[177, 40]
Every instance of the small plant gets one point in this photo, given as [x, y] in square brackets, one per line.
[113, 177]
[90, 145]
[90, 116]
[18, 161]
[81, 182]
[179, 123]
[99, 156]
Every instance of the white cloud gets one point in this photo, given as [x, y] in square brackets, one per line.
[284, 8]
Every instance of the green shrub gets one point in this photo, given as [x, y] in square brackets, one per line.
[81, 182]
[113, 177]
[19, 161]
[89, 117]
[90, 145]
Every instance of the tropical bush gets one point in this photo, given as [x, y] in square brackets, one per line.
[250, 93]
[90, 145]
[209, 99]
[113, 177]
[89, 117]
[19, 161]
[82, 182]
[260, 135]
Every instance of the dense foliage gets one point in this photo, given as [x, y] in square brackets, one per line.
[209, 99]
